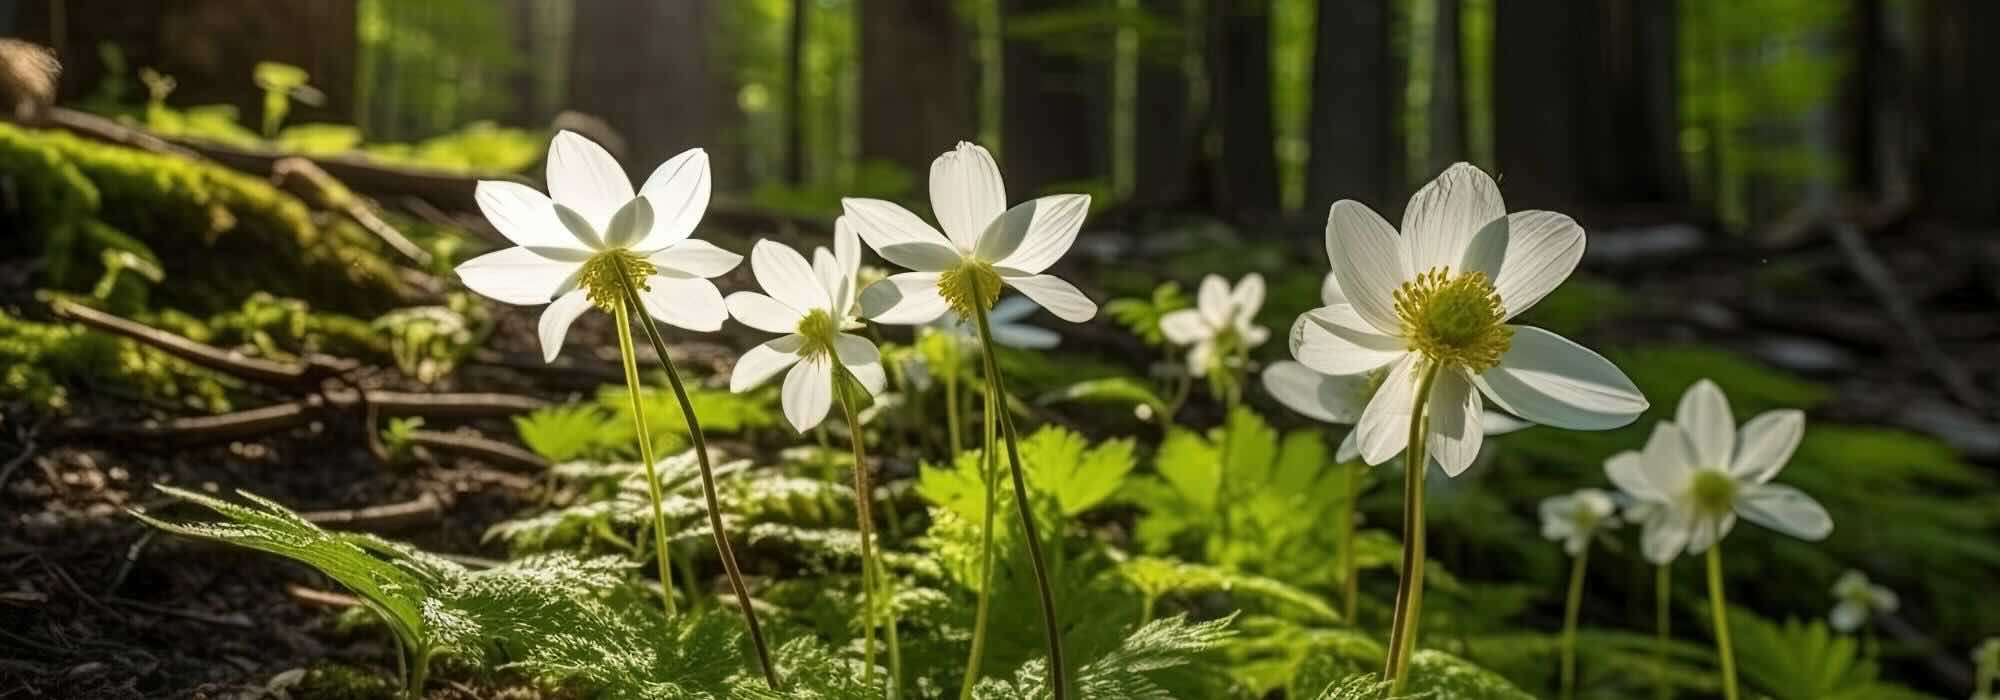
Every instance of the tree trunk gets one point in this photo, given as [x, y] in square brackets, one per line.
[795, 93]
[1164, 141]
[1447, 108]
[1053, 122]
[1245, 165]
[1585, 106]
[1962, 111]
[917, 96]
[1357, 146]
[649, 71]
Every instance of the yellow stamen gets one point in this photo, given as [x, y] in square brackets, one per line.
[1714, 493]
[1454, 320]
[600, 276]
[819, 330]
[957, 286]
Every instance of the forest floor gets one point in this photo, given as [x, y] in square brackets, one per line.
[97, 605]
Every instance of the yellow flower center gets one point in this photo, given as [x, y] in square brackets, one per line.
[1713, 492]
[1454, 320]
[959, 284]
[603, 274]
[819, 330]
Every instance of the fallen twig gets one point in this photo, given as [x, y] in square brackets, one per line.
[422, 510]
[1882, 283]
[494, 451]
[291, 414]
[307, 179]
[195, 615]
[315, 369]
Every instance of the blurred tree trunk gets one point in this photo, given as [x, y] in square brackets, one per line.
[917, 85]
[1962, 110]
[209, 47]
[1054, 112]
[1447, 108]
[1164, 141]
[649, 71]
[795, 93]
[1244, 165]
[1357, 146]
[1585, 106]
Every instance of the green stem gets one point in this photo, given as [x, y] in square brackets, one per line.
[951, 393]
[1721, 610]
[1058, 671]
[623, 314]
[1350, 588]
[1662, 594]
[872, 579]
[1571, 607]
[1222, 499]
[1410, 587]
[722, 548]
[420, 673]
[989, 474]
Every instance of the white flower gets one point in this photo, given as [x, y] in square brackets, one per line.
[1701, 472]
[1004, 321]
[1574, 518]
[1858, 600]
[571, 244]
[1223, 321]
[984, 245]
[1341, 400]
[1437, 298]
[813, 305]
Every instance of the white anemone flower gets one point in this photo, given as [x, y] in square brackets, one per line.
[1223, 321]
[1574, 518]
[571, 245]
[1701, 472]
[1435, 302]
[984, 245]
[1857, 600]
[1005, 320]
[813, 305]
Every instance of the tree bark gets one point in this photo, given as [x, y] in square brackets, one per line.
[795, 93]
[1245, 160]
[917, 90]
[1164, 142]
[1447, 107]
[649, 71]
[1053, 121]
[1356, 144]
[1962, 111]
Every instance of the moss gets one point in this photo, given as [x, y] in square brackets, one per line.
[337, 682]
[44, 360]
[218, 234]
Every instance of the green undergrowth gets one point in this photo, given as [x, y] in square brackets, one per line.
[47, 364]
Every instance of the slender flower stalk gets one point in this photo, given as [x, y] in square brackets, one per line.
[621, 312]
[1572, 605]
[989, 460]
[1662, 619]
[997, 389]
[1574, 519]
[876, 588]
[722, 548]
[1410, 587]
[1720, 606]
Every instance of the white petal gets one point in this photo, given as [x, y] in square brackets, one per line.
[585, 178]
[518, 276]
[763, 313]
[1322, 397]
[1369, 261]
[1785, 509]
[1439, 224]
[967, 193]
[695, 258]
[899, 236]
[1669, 461]
[1455, 433]
[1497, 423]
[556, 320]
[826, 272]
[1212, 300]
[808, 392]
[1201, 357]
[1628, 472]
[679, 190]
[765, 361]
[630, 223]
[847, 256]
[522, 214]
[1704, 415]
[1247, 298]
[910, 298]
[1547, 379]
[1847, 616]
[1011, 309]
[1385, 424]
[1015, 335]
[1034, 234]
[690, 303]
[1666, 535]
[1539, 251]
[1708, 531]
[1767, 444]
[1059, 297]
[1329, 291]
[1184, 327]
[1350, 447]
[787, 277]
[861, 360]
[1335, 340]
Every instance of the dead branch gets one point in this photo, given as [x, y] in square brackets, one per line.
[316, 368]
[422, 510]
[306, 179]
[1874, 273]
[493, 451]
[95, 127]
[195, 430]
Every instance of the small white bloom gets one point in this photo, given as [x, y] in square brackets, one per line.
[1857, 599]
[984, 245]
[1223, 321]
[571, 245]
[1005, 322]
[813, 305]
[1438, 298]
[1702, 472]
[1574, 518]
